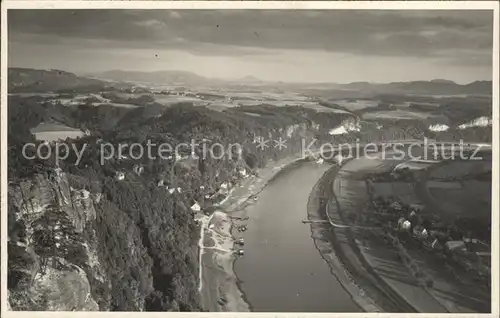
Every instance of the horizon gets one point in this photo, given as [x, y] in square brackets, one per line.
[296, 82]
[301, 46]
[96, 75]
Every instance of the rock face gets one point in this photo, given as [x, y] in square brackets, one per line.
[52, 255]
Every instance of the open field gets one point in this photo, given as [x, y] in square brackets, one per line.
[266, 96]
[351, 194]
[323, 109]
[453, 289]
[471, 200]
[276, 103]
[414, 165]
[57, 135]
[444, 185]
[172, 99]
[460, 168]
[25, 95]
[356, 104]
[382, 259]
[127, 95]
[116, 105]
[409, 103]
[364, 166]
[220, 106]
[252, 114]
[397, 114]
[403, 191]
[52, 132]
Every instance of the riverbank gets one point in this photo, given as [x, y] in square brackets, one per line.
[219, 287]
[347, 240]
[377, 264]
[323, 237]
[377, 295]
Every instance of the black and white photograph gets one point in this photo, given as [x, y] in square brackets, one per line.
[250, 158]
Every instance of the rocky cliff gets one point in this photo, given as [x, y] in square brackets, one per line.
[52, 246]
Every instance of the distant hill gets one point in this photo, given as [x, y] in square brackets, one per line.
[172, 77]
[485, 86]
[249, 79]
[433, 87]
[438, 80]
[31, 80]
[161, 77]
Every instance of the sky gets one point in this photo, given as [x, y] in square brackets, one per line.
[279, 45]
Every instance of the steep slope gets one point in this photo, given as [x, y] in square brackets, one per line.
[52, 248]
[31, 80]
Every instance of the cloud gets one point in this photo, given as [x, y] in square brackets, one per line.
[377, 32]
[100, 44]
[174, 14]
[421, 43]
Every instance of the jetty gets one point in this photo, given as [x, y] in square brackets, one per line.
[315, 221]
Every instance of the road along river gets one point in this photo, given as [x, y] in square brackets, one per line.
[282, 270]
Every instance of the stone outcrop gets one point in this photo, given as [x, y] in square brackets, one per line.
[53, 234]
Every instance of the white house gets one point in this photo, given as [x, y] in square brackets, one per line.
[406, 225]
[243, 172]
[196, 207]
[85, 194]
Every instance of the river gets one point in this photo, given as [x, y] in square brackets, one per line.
[282, 270]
